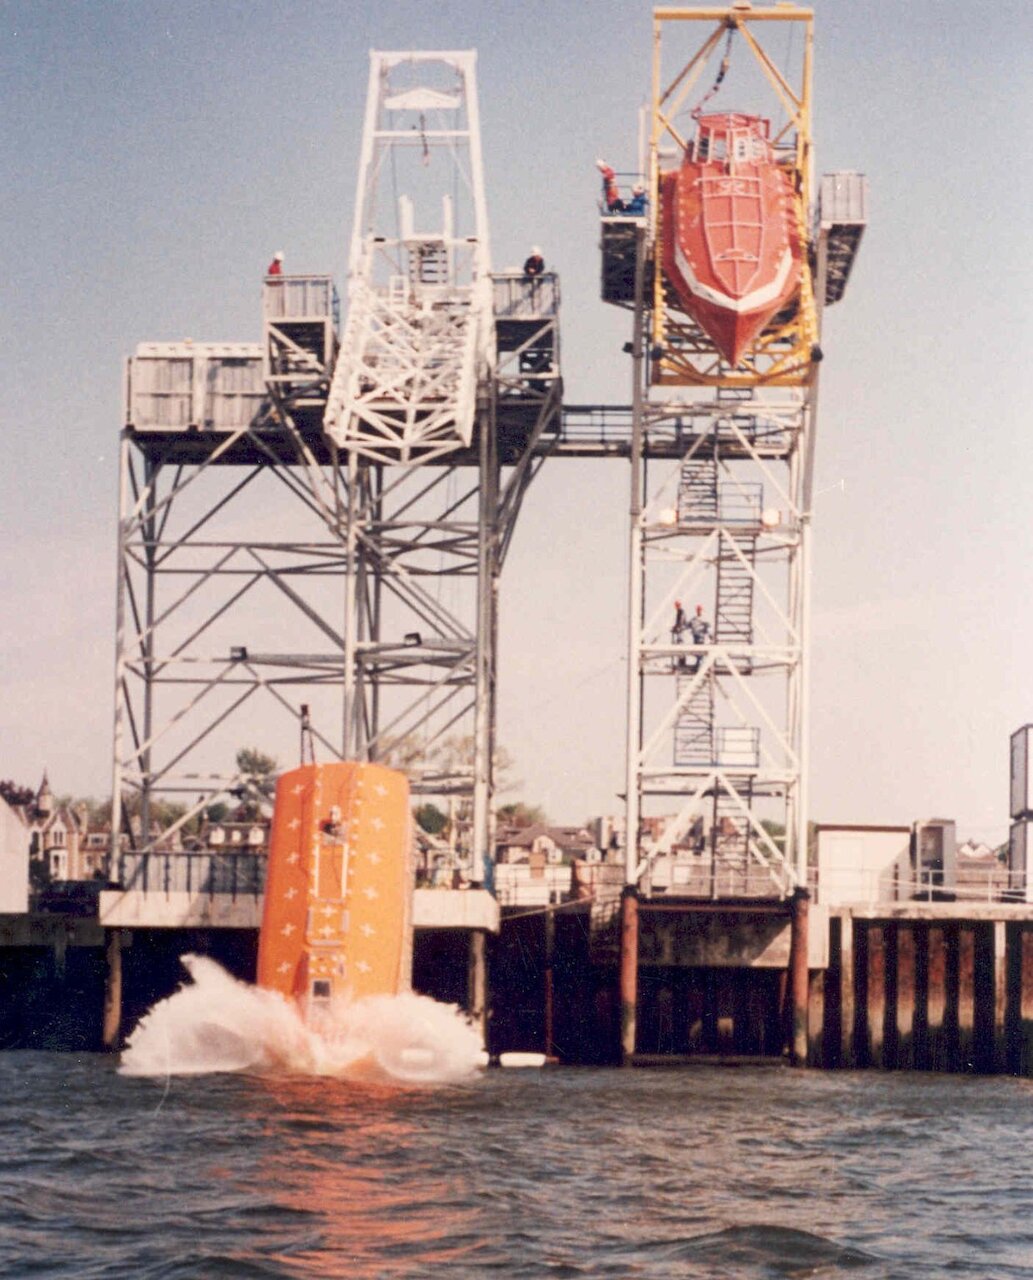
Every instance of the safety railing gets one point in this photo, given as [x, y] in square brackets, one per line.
[238, 875]
[519, 297]
[300, 298]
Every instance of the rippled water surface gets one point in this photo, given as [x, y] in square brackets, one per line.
[745, 1173]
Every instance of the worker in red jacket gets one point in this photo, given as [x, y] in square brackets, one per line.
[275, 267]
[611, 192]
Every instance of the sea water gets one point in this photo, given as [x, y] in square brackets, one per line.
[273, 1161]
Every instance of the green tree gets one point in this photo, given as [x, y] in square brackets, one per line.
[258, 782]
[430, 819]
[15, 794]
[519, 814]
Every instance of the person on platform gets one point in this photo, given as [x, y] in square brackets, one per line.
[678, 629]
[534, 264]
[636, 206]
[612, 201]
[275, 268]
[699, 629]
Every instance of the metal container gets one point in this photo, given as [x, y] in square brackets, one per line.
[844, 199]
[516, 297]
[299, 298]
[1021, 793]
[935, 854]
[178, 386]
[1020, 848]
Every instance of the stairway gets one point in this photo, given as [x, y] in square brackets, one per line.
[731, 850]
[694, 728]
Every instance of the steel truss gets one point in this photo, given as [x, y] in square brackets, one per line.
[721, 461]
[416, 346]
[717, 727]
[270, 559]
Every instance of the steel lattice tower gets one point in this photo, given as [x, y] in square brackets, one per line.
[718, 731]
[368, 490]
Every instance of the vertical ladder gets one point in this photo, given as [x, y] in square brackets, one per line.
[733, 621]
[694, 728]
[697, 492]
[428, 263]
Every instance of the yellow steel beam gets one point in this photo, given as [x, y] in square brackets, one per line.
[784, 353]
[692, 68]
[738, 13]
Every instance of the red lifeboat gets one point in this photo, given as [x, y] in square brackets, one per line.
[731, 245]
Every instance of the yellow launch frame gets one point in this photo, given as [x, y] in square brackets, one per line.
[784, 353]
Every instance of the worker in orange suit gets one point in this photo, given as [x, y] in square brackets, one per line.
[611, 193]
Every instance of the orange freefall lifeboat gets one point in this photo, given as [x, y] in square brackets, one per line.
[337, 920]
[731, 240]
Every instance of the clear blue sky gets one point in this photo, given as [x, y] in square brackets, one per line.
[153, 155]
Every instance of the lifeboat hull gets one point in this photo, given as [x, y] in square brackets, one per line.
[731, 248]
[336, 923]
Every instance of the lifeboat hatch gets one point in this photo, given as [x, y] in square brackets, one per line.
[321, 990]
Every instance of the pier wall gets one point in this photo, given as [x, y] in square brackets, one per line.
[927, 987]
[75, 985]
[938, 987]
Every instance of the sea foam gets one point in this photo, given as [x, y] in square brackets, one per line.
[216, 1023]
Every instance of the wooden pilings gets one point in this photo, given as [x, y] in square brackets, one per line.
[477, 980]
[942, 992]
[799, 985]
[111, 1033]
[629, 973]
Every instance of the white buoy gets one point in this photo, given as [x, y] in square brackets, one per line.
[522, 1059]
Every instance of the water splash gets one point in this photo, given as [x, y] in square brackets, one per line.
[216, 1023]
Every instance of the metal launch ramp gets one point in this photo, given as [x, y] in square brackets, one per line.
[415, 357]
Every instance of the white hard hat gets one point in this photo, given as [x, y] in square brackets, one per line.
[278, 255]
[536, 250]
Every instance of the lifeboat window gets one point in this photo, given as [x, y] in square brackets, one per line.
[321, 989]
[703, 147]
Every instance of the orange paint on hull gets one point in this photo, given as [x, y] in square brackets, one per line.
[336, 924]
[731, 247]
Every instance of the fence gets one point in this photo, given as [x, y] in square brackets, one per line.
[203, 873]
